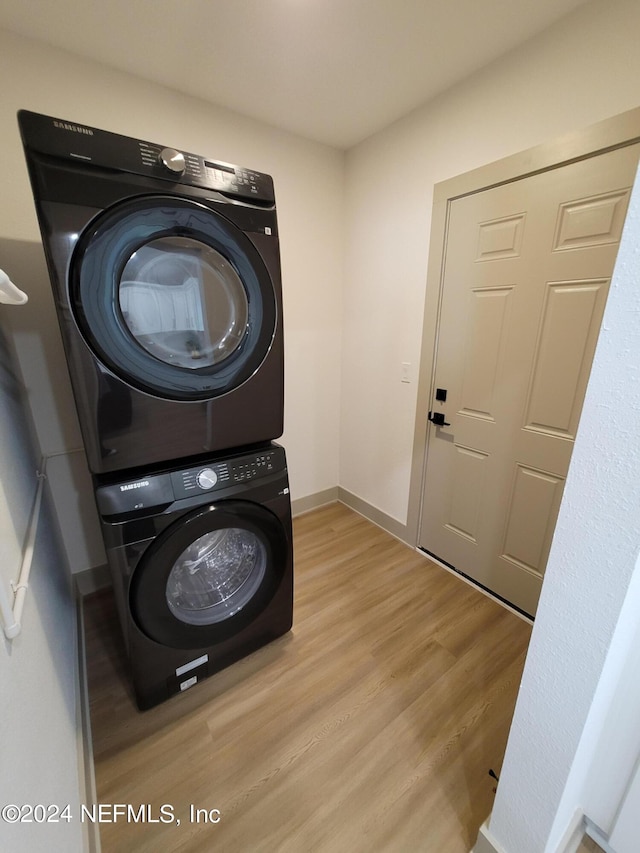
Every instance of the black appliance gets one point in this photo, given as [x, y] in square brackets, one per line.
[165, 269]
[202, 565]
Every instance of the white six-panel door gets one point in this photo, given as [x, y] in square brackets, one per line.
[526, 272]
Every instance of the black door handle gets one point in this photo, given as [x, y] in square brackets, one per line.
[437, 418]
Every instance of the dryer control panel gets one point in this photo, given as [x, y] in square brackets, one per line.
[166, 487]
[89, 146]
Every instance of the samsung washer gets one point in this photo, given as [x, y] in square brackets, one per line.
[202, 564]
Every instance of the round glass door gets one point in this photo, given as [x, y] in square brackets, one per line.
[173, 298]
[183, 302]
[215, 576]
[210, 574]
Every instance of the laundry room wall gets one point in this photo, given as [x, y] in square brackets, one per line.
[309, 188]
[39, 736]
[578, 72]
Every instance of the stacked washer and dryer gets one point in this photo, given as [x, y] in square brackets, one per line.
[165, 270]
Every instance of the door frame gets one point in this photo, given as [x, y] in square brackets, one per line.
[617, 132]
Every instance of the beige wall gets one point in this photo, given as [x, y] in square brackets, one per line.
[309, 188]
[580, 71]
[39, 667]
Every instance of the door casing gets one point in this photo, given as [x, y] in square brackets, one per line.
[617, 132]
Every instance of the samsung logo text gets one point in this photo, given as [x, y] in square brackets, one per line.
[139, 485]
[76, 128]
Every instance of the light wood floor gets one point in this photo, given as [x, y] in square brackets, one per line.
[588, 845]
[371, 727]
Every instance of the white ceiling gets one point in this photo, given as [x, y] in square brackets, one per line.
[331, 70]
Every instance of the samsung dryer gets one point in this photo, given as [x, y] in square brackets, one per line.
[165, 270]
[202, 565]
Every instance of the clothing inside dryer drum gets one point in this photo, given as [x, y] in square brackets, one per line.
[216, 576]
[183, 302]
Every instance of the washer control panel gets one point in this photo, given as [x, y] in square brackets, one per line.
[218, 475]
[155, 490]
[193, 481]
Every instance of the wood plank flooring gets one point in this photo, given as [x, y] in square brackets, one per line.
[588, 845]
[370, 727]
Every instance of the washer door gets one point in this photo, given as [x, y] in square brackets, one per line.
[173, 298]
[209, 575]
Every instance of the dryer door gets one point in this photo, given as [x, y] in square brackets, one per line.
[209, 575]
[173, 298]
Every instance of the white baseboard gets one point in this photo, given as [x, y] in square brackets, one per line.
[598, 836]
[486, 843]
[337, 493]
[376, 516]
[569, 842]
[315, 501]
[92, 580]
[86, 769]
[573, 834]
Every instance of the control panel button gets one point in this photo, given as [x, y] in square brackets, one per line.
[172, 160]
[207, 478]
